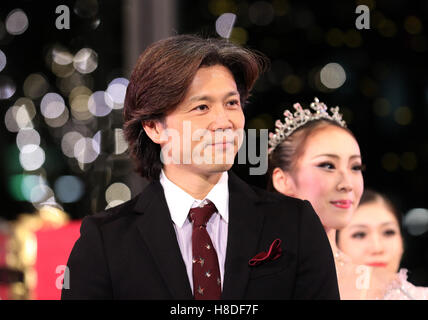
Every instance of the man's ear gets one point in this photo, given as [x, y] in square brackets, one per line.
[283, 182]
[153, 130]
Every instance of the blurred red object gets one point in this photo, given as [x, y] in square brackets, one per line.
[34, 250]
[53, 248]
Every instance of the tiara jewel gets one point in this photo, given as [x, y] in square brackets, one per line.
[301, 117]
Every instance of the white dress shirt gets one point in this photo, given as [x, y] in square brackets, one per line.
[179, 204]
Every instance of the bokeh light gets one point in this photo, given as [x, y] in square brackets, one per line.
[80, 107]
[20, 115]
[52, 105]
[3, 60]
[7, 87]
[61, 61]
[416, 221]
[292, 84]
[116, 92]
[332, 75]
[86, 150]
[68, 142]
[413, 25]
[16, 22]
[99, 103]
[403, 115]
[31, 157]
[120, 144]
[224, 24]
[85, 60]
[22, 185]
[35, 86]
[68, 189]
[42, 194]
[116, 194]
[27, 136]
[239, 35]
[60, 120]
[31, 186]
[24, 116]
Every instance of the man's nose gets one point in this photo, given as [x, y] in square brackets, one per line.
[221, 120]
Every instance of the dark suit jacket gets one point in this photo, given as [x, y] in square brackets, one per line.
[131, 251]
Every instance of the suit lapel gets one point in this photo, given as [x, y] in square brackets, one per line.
[245, 225]
[158, 233]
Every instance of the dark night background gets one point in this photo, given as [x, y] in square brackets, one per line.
[384, 98]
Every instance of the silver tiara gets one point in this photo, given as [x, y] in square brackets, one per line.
[300, 118]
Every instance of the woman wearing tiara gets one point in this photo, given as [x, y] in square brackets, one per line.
[313, 156]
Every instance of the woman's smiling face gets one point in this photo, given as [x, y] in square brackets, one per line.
[328, 174]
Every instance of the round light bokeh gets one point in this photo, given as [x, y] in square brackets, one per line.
[31, 157]
[224, 24]
[61, 56]
[416, 221]
[68, 189]
[16, 22]
[69, 141]
[35, 86]
[86, 150]
[116, 91]
[7, 87]
[41, 194]
[120, 144]
[29, 183]
[96, 141]
[52, 105]
[59, 121]
[117, 193]
[3, 60]
[79, 107]
[332, 75]
[85, 60]
[20, 115]
[27, 136]
[99, 103]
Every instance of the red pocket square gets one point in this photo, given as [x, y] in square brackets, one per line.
[273, 253]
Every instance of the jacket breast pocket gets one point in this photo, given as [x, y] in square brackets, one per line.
[273, 267]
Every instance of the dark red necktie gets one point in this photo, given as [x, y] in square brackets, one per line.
[206, 272]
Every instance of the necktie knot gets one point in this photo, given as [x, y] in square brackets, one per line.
[201, 214]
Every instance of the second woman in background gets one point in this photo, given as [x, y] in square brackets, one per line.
[373, 237]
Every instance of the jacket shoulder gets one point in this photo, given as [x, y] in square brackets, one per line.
[275, 197]
[109, 215]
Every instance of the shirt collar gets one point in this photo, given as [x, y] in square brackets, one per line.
[180, 202]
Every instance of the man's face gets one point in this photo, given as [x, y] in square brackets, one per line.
[204, 132]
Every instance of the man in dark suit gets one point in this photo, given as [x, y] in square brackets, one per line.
[197, 230]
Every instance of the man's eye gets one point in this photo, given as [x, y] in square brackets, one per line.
[233, 103]
[202, 107]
